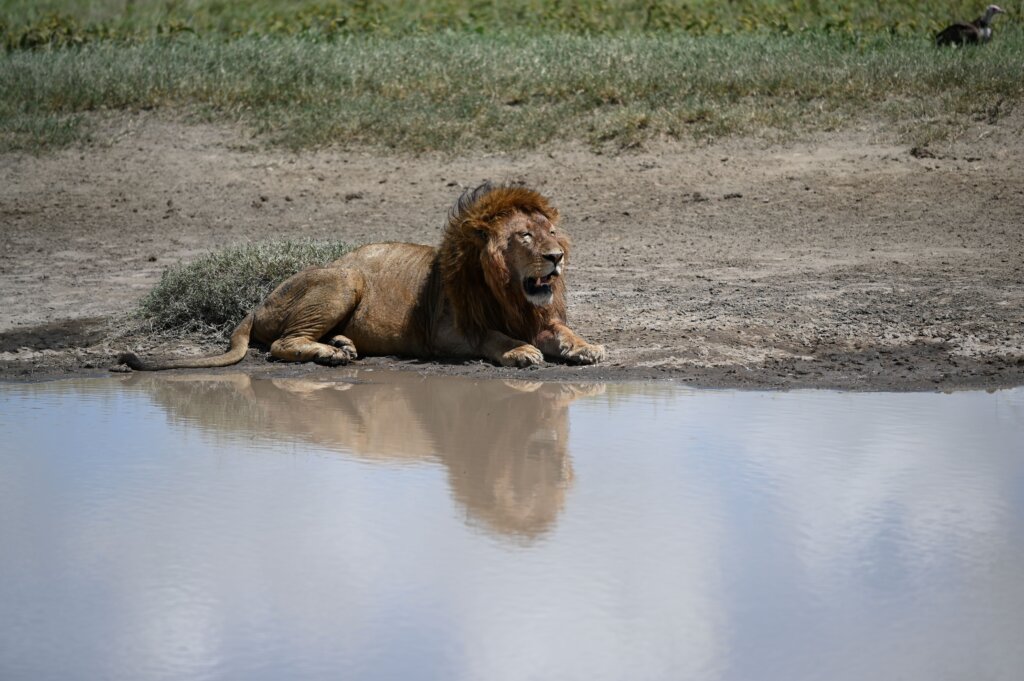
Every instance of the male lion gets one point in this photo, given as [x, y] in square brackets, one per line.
[493, 289]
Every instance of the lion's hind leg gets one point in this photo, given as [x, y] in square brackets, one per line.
[328, 299]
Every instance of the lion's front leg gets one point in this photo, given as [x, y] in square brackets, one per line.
[559, 341]
[510, 352]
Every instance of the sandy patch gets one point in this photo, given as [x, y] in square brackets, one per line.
[843, 261]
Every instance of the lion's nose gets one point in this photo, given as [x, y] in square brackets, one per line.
[555, 257]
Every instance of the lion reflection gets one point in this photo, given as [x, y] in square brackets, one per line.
[504, 443]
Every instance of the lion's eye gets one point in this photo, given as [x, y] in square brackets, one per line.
[525, 236]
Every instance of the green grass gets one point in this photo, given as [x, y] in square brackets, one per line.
[213, 293]
[33, 23]
[497, 74]
[509, 91]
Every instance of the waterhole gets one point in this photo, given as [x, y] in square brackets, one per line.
[393, 526]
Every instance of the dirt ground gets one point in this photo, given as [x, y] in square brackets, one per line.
[842, 261]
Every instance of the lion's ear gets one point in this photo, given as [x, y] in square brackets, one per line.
[480, 235]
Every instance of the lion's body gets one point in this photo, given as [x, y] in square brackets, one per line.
[370, 296]
[493, 290]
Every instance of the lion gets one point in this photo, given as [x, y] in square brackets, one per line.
[494, 289]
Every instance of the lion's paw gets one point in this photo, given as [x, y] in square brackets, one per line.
[586, 354]
[344, 344]
[523, 356]
[333, 357]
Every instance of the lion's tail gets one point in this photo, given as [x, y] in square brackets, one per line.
[239, 344]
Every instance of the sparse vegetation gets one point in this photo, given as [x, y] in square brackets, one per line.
[442, 74]
[214, 292]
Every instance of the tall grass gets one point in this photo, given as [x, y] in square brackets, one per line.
[510, 91]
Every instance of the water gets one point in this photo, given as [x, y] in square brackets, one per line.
[399, 527]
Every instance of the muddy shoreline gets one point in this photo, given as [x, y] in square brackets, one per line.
[923, 369]
[845, 261]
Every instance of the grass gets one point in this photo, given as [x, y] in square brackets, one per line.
[489, 75]
[34, 23]
[214, 292]
[459, 91]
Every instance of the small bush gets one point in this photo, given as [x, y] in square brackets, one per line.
[213, 293]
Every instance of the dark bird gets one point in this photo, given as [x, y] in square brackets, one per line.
[973, 33]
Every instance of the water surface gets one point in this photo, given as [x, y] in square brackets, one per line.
[391, 526]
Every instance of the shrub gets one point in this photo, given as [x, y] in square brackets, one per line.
[213, 293]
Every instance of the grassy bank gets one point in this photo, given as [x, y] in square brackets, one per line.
[509, 91]
[516, 74]
[33, 23]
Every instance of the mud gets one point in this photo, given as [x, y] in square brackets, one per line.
[843, 261]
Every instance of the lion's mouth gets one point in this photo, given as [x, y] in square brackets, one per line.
[539, 286]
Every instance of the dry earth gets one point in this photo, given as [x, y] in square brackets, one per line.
[841, 261]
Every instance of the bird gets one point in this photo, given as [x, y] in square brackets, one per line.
[973, 33]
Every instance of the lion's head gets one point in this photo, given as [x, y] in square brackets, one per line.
[502, 260]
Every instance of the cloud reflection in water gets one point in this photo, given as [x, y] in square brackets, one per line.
[410, 527]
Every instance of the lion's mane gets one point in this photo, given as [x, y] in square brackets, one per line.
[472, 267]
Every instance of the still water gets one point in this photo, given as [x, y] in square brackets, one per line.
[391, 526]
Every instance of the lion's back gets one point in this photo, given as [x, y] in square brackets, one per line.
[387, 253]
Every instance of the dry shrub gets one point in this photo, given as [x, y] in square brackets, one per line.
[213, 293]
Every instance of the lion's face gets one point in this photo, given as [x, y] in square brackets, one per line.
[535, 255]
